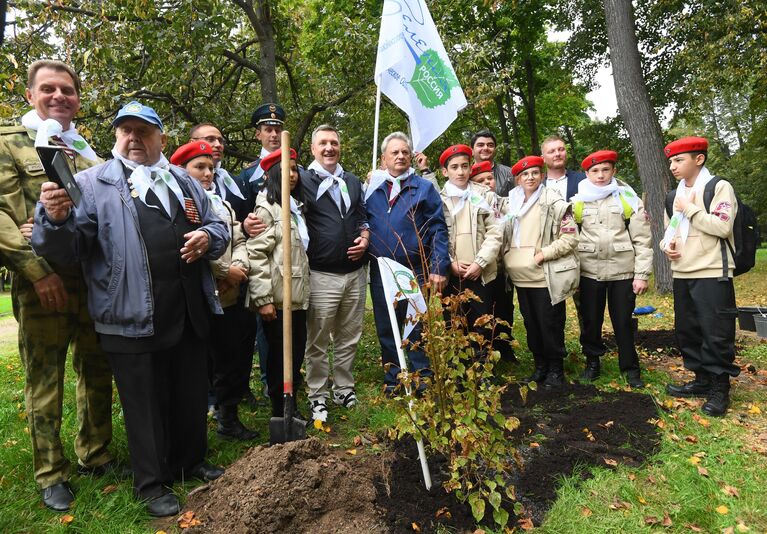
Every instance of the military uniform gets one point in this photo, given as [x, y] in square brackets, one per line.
[44, 336]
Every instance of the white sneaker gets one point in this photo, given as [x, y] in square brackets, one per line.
[347, 400]
[319, 410]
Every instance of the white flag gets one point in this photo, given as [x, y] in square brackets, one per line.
[400, 283]
[414, 71]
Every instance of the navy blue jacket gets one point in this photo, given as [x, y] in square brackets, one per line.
[415, 216]
[573, 179]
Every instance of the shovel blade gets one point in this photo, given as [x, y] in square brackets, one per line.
[288, 427]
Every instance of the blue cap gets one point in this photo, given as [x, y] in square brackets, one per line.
[139, 111]
[272, 114]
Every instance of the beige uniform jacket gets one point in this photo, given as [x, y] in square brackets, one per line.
[610, 251]
[236, 253]
[702, 253]
[265, 255]
[558, 240]
[486, 231]
[21, 175]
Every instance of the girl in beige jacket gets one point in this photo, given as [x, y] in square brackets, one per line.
[265, 284]
[540, 259]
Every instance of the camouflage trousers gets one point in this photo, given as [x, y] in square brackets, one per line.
[44, 338]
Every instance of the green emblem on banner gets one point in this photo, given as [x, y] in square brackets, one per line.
[432, 80]
[79, 144]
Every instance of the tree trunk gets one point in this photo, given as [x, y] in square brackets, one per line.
[506, 158]
[639, 118]
[532, 124]
[514, 125]
[574, 156]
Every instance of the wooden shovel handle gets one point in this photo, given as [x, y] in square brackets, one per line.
[287, 270]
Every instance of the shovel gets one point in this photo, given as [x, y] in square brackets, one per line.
[288, 427]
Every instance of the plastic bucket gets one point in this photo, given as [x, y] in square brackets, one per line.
[761, 325]
[746, 317]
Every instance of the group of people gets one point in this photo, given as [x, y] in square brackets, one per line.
[168, 272]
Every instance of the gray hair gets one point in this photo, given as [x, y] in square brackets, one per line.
[325, 128]
[396, 135]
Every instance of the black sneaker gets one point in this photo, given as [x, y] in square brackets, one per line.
[700, 387]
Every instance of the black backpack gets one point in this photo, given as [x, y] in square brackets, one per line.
[745, 230]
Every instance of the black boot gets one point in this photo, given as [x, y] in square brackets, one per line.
[555, 379]
[230, 426]
[634, 379]
[700, 387]
[539, 375]
[719, 398]
[591, 372]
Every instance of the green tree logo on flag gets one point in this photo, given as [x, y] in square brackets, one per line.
[432, 80]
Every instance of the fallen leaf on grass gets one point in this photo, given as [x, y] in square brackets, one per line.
[722, 510]
[66, 519]
[691, 439]
[694, 528]
[694, 460]
[351, 451]
[526, 523]
[632, 477]
[741, 526]
[731, 491]
[619, 505]
[610, 461]
[666, 520]
[357, 441]
[344, 418]
[702, 471]
[415, 527]
[443, 512]
[754, 410]
[534, 445]
[318, 424]
[160, 532]
[109, 489]
[479, 531]
[586, 512]
[642, 500]
[651, 520]
[701, 420]
[728, 530]
[188, 520]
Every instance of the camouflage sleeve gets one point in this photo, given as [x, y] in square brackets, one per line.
[16, 250]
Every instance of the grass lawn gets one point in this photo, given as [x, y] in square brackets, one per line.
[708, 476]
[5, 304]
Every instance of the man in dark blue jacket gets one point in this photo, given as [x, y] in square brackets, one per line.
[406, 219]
[558, 176]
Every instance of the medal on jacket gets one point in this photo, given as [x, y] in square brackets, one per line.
[190, 210]
[133, 192]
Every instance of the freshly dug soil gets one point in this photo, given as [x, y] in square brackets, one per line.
[554, 438]
[655, 342]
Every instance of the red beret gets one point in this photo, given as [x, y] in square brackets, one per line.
[269, 161]
[480, 167]
[525, 163]
[186, 153]
[686, 144]
[600, 156]
[454, 151]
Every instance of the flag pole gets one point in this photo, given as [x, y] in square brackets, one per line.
[404, 368]
[375, 126]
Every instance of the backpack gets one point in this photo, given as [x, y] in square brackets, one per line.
[745, 230]
[628, 211]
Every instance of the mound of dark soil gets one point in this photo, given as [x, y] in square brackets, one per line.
[577, 426]
[655, 342]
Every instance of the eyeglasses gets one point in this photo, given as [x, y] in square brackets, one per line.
[210, 139]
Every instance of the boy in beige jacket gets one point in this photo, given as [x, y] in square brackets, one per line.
[699, 243]
[615, 252]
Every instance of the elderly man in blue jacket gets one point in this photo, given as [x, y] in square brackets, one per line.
[143, 232]
[406, 220]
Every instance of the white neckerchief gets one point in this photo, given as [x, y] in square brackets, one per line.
[379, 177]
[678, 220]
[518, 207]
[259, 172]
[463, 195]
[217, 203]
[228, 183]
[50, 127]
[588, 192]
[298, 218]
[142, 181]
[328, 180]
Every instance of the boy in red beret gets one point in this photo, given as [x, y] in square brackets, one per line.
[230, 271]
[539, 256]
[615, 252]
[474, 233]
[699, 243]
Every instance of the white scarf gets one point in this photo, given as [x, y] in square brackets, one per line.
[379, 177]
[678, 220]
[217, 203]
[463, 195]
[298, 218]
[330, 179]
[50, 127]
[141, 179]
[259, 172]
[589, 192]
[228, 181]
[518, 207]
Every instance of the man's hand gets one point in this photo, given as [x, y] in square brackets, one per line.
[458, 268]
[268, 312]
[196, 246]
[50, 290]
[237, 275]
[421, 161]
[472, 272]
[639, 286]
[437, 282]
[253, 225]
[56, 201]
[671, 252]
[356, 251]
[538, 258]
[26, 229]
[682, 201]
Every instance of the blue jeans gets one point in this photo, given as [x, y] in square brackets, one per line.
[389, 359]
